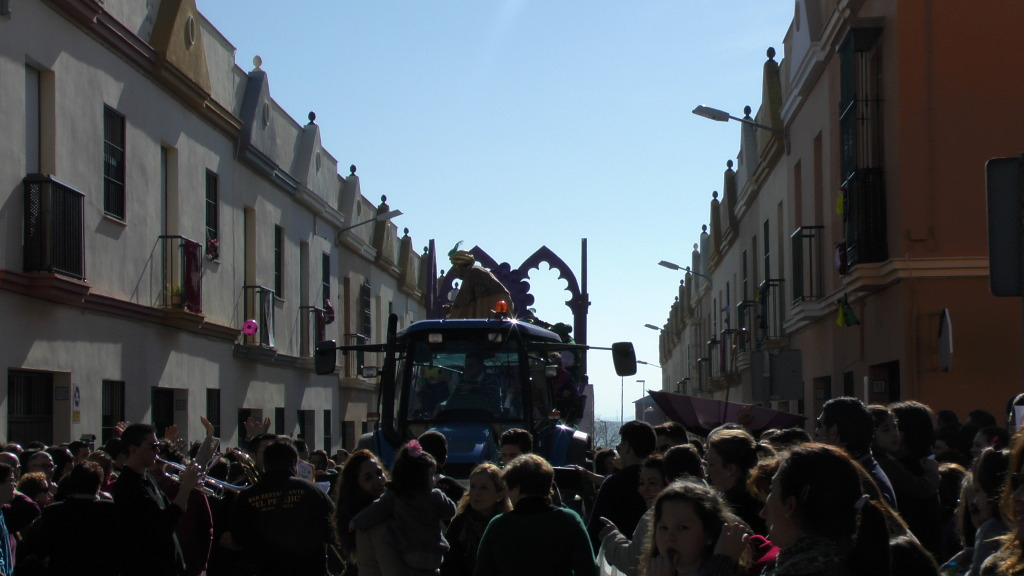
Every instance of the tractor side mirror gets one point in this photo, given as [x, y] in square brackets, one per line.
[624, 358]
[325, 359]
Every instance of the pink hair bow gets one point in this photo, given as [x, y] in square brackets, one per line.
[414, 448]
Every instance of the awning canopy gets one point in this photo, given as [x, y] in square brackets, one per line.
[701, 415]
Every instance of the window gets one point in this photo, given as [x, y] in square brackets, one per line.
[212, 226]
[860, 146]
[328, 440]
[325, 278]
[767, 253]
[279, 261]
[29, 406]
[213, 409]
[32, 120]
[366, 303]
[279, 420]
[113, 408]
[113, 163]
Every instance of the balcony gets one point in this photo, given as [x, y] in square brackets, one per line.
[54, 236]
[864, 217]
[181, 265]
[259, 306]
[808, 280]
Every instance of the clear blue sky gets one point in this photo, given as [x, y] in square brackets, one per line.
[514, 124]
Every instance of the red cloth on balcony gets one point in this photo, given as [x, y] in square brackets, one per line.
[193, 281]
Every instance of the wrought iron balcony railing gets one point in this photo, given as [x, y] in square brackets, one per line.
[314, 328]
[181, 266]
[771, 314]
[54, 227]
[864, 217]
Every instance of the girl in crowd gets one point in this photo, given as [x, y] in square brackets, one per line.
[683, 460]
[535, 537]
[989, 477]
[730, 456]
[989, 437]
[400, 533]
[694, 532]
[968, 520]
[620, 551]
[362, 481]
[821, 518]
[486, 499]
[1010, 559]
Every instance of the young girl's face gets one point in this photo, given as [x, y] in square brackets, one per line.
[483, 494]
[651, 483]
[679, 533]
[887, 435]
[982, 504]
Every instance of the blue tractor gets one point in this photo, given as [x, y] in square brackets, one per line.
[471, 380]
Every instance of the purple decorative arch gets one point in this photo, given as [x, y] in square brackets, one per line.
[516, 280]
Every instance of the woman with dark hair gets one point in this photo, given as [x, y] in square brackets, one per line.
[822, 519]
[915, 475]
[731, 454]
[362, 481]
[401, 533]
[694, 532]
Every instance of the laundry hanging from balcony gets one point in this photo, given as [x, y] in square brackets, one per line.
[193, 282]
[845, 317]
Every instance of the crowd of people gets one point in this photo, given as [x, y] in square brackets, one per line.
[875, 490]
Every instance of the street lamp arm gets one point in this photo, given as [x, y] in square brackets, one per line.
[378, 218]
[687, 269]
[722, 116]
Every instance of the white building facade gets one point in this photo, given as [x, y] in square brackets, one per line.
[154, 198]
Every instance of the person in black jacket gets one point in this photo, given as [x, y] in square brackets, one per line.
[69, 532]
[283, 523]
[618, 503]
[149, 544]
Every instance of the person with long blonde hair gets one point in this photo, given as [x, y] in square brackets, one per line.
[485, 499]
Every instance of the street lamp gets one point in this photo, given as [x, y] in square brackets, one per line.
[652, 327]
[641, 382]
[722, 116]
[378, 218]
[646, 364]
[687, 269]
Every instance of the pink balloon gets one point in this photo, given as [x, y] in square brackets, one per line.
[250, 327]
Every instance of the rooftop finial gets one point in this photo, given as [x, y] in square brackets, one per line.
[406, 231]
[383, 198]
[312, 117]
[771, 53]
[715, 194]
[746, 110]
[728, 164]
[352, 169]
[257, 62]
[703, 229]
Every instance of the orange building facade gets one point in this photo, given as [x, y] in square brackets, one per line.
[859, 192]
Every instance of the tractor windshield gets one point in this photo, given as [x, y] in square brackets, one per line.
[471, 375]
